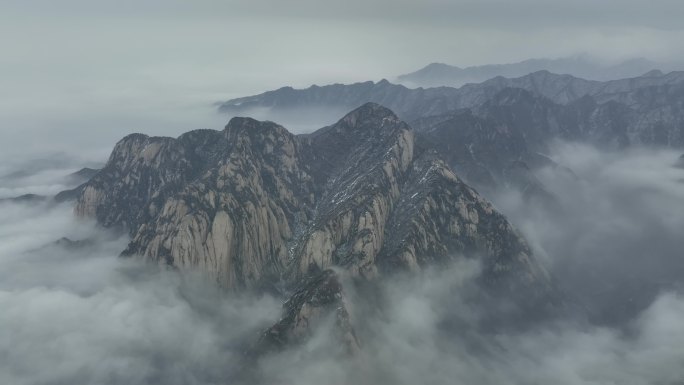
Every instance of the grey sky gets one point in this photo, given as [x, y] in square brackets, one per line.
[93, 70]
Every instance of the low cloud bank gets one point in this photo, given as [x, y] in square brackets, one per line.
[78, 314]
[427, 334]
[616, 242]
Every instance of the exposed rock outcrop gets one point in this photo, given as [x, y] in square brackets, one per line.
[255, 206]
[317, 298]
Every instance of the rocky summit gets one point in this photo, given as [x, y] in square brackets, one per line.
[255, 207]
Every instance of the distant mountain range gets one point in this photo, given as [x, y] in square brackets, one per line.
[419, 103]
[492, 132]
[440, 74]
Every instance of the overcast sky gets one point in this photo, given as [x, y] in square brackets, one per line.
[91, 71]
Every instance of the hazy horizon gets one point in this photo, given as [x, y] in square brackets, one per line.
[88, 73]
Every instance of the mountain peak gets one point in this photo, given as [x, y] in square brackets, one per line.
[547, 73]
[438, 65]
[370, 115]
[656, 73]
[581, 66]
[252, 126]
[513, 95]
[241, 121]
[370, 109]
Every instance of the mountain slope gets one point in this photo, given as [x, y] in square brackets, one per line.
[439, 74]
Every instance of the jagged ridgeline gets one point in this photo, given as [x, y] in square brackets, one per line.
[498, 133]
[254, 205]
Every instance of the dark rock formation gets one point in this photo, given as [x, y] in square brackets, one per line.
[318, 297]
[69, 195]
[680, 162]
[70, 244]
[81, 176]
[26, 198]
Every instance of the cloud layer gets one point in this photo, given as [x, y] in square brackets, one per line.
[81, 315]
[426, 334]
[78, 314]
[617, 241]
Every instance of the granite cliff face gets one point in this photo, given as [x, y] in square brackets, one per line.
[254, 206]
